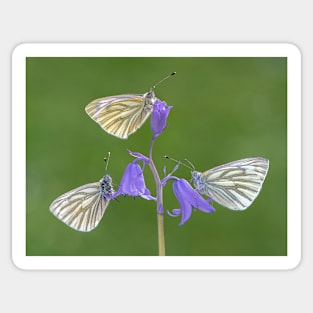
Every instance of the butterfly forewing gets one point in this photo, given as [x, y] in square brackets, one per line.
[81, 208]
[121, 115]
[234, 185]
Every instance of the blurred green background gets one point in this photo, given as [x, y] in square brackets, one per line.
[224, 109]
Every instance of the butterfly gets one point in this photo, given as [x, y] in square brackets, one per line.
[122, 115]
[82, 208]
[234, 185]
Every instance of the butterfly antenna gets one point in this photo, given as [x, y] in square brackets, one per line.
[162, 80]
[191, 168]
[106, 160]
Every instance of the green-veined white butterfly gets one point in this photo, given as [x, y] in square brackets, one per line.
[122, 115]
[234, 185]
[82, 208]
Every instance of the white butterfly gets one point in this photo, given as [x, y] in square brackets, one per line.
[234, 185]
[83, 208]
[122, 115]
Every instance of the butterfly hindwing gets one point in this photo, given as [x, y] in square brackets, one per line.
[81, 208]
[234, 185]
[120, 115]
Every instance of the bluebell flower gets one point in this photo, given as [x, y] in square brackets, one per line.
[133, 183]
[159, 117]
[188, 199]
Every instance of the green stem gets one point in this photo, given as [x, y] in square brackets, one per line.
[161, 238]
[159, 196]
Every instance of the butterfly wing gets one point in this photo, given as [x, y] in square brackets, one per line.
[81, 208]
[120, 115]
[235, 185]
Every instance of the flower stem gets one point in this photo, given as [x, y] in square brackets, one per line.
[159, 196]
[161, 238]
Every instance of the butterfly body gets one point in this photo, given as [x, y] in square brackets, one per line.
[106, 186]
[121, 115]
[82, 208]
[234, 185]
